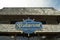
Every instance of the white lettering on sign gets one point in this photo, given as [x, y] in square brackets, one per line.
[28, 25]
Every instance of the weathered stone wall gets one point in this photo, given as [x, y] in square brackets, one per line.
[46, 28]
[29, 11]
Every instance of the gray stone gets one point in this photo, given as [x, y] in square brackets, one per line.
[29, 11]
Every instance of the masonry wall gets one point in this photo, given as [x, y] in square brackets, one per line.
[29, 11]
[46, 28]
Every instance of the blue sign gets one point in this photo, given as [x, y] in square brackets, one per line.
[28, 26]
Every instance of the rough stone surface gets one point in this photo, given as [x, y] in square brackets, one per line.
[29, 11]
[46, 28]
